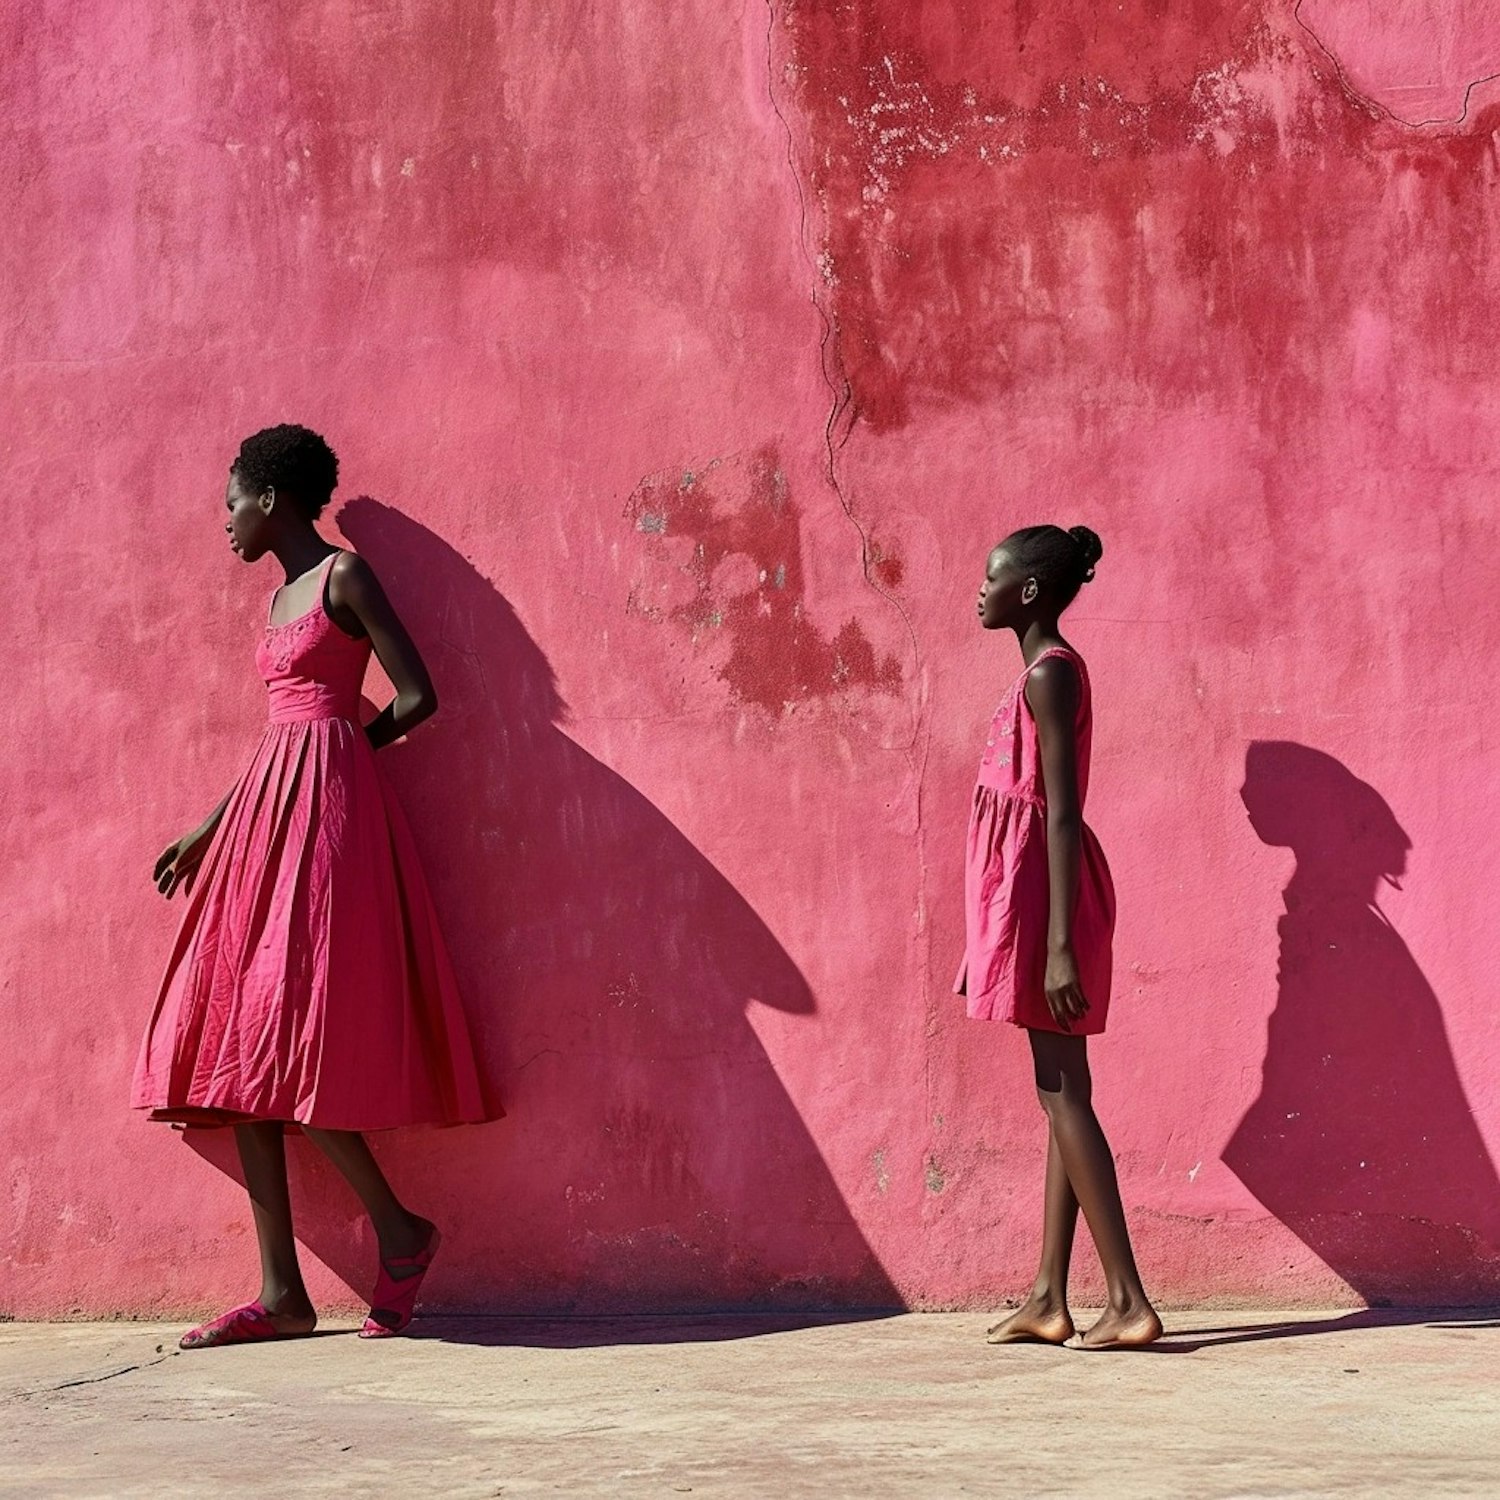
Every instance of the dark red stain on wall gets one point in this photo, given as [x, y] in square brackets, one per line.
[1182, 193]
[723, 557]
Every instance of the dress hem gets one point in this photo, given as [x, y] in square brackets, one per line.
[207, 1117]
[996, 1015]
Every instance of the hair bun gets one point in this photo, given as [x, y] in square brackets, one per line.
[1090, 549]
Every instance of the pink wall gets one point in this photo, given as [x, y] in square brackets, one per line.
[686, 364]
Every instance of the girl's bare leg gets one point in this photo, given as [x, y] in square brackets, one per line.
[1066, 1090]
[262, 1149]
[1044, 1315]
[400, 1233]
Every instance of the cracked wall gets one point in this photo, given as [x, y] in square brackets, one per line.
[1196, 275]
[1415, 62]
[684, 365]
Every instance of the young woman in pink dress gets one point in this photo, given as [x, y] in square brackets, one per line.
[1039, 920]
[309, 985]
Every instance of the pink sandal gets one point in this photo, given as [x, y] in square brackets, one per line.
[248, 1324]
[397, 1298]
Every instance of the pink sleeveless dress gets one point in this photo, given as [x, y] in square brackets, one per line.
[1007, 897]
[309, 982]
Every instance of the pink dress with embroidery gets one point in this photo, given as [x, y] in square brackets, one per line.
[1007, 894]
[309, 982]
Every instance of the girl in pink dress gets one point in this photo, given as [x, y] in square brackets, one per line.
[1039, 912]
[309, 985]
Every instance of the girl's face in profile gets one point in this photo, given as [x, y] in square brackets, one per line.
[1000, 602]
[247, 524]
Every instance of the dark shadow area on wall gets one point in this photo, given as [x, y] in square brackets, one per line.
[651, 1160]
[1362, 1141]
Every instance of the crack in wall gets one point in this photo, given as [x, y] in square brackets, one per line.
[1374, 106]
[837, 430]
[842, 412]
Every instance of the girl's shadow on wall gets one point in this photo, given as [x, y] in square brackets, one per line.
[651, 1158]
[1361, 1142]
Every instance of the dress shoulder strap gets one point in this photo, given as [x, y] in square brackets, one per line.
[327, 565]
[1047, 655]
[1068, 654]
[1052, 651]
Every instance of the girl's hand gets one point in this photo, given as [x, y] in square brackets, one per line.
[178, 863]
[1065, 997]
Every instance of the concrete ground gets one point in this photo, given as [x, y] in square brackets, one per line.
[1354, 1404]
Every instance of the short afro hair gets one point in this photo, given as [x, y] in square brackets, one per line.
[293, 460]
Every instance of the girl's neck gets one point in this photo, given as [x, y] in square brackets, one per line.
[1038, 636]
[301, 552]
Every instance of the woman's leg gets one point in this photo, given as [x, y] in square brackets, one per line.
[262, 1148]
[1044, 1314]
[1066, 1091]
[401, 1234]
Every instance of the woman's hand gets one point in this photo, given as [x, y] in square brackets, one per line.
[1065, 997]
[178, 863]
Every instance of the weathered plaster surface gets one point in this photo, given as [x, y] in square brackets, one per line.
[685, 364]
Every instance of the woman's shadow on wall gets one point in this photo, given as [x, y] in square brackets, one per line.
[651, 1158]
[1361, 1141]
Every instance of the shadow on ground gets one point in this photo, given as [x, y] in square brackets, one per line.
[1188, 1340]
[598, 1333]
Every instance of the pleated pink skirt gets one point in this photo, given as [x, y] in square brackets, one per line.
[309, 982]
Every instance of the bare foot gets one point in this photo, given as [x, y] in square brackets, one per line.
[1130, 1328]
[1034, 1322]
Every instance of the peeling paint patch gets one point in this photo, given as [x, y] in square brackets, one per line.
[626, 991]
[723, 559]
[934, 1176]
[923, 305]
[882, 1177]
[1177, 147]
[886, 567]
